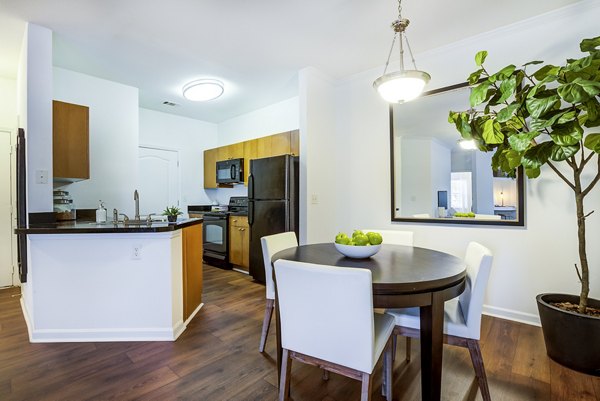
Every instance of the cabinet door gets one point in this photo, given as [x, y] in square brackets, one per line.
[250, 152]
[210, 168]
[263, 147]
[70, 141]
[295, 142]
[280, 144]
[235, 243]
[192, 269]
[233, 151]
[245, 245]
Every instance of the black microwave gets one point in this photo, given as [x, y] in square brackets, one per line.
[230, 171]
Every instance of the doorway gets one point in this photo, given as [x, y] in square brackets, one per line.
[159, 179]
[7, 223]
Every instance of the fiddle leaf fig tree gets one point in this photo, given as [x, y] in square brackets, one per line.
[548, 117]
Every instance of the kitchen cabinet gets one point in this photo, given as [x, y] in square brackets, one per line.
[192, 269]
[233, 151]
[70, 142]
[239, 242]
[250, 152]
[295, 142]
[281, 144]
[210, 168]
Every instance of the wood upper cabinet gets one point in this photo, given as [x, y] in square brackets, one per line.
[239, 242]
[70, 141]
[233, 151]
[295, 142]
[192, 269]
[250, 152]
[281, 144]
[210, 168]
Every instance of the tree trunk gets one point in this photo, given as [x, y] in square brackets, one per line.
[585, 274]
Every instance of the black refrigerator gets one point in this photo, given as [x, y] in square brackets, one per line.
[273, 187]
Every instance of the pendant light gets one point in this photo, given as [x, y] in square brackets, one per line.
[404, 85]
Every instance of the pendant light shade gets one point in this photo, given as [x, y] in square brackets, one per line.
[404, 85]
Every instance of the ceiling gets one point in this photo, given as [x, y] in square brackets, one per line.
[255, 47]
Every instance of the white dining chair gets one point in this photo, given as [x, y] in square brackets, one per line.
[394, 237]
[327, 320]
[271, 244]
[462, 315]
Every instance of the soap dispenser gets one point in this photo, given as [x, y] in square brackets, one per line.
[101, 213]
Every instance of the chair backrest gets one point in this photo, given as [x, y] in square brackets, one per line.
[479, 262]
[327, 312]
[271, 244]
[395, 237]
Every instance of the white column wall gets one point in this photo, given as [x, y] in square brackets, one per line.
[523, 266]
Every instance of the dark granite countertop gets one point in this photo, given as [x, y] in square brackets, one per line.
[85, 227]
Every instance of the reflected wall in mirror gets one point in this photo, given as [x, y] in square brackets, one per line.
[434, 179]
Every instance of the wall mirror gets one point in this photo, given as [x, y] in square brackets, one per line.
[434, 179]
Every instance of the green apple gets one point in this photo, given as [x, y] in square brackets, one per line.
[342, 238]
[357, 232]
[374, 238]
[361, 240]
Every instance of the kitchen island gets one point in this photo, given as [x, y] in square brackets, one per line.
[112, 282]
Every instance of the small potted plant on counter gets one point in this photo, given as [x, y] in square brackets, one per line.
[548, 117]
[172, 212]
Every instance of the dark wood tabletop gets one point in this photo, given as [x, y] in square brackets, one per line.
[403, 276]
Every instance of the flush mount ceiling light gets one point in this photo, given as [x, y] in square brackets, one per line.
[467, 144]
[404, 85]
[203, 90]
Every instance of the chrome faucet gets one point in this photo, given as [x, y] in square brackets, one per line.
[136, 198]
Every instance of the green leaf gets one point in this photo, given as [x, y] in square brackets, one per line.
[521, 142]
[556, 118]
[474, 77]
[479, 93]
[539, 107]
[589, 45]
[506, 72]
[480, 57]
[491, 132]
[461, 121]
[506, 113]
[514, 158]
[538, 155]
[532, 172]
[545, 71]
[579, 91]
[566, 140]
[592, 142]
[592, 107]
[560, 153]
[532, 63]
[507, 88]
[566, 117]
[570, 128]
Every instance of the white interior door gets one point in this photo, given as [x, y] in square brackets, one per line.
[6, 226]
[159, 179]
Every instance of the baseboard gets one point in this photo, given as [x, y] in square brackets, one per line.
[509, 314]
[193, 314]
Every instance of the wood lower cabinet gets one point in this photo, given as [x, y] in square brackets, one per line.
[239, 242]
[70, 141]
[192, 269]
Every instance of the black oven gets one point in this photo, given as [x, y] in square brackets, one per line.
[230, 171]
[215, 239]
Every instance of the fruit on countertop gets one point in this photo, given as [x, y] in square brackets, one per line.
[359, 238]
[461, 214]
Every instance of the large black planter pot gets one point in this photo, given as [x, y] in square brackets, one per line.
[573, 340]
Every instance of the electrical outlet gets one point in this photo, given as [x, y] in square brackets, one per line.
[136, 252]
[314, 199]
[41, 176]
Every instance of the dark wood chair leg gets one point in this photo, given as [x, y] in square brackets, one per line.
[266, 324]
[286, 370]
[408, 342]
[394, 343]
[477, 360]
[365, 390]
[388, 370]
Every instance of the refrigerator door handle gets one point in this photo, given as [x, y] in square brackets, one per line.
[250, 213]
[250, 186]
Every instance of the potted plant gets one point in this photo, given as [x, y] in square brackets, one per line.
[172, 212]
[547, 118]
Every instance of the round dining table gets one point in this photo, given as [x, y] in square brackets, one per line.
[403, 276]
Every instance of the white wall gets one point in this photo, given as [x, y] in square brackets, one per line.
[34, 100]
[523, 267]
[8, 103]
[319, 167]
[273, 119]
[114, 130]
[190, 138]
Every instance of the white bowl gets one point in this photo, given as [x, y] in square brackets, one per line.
[357, 252]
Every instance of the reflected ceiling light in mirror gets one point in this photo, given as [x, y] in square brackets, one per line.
[467, 144]
[203, 90]
[404, 85]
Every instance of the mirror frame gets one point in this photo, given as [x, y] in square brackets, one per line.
[519, 222]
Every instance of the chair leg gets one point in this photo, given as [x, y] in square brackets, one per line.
[408, 349]
[477, 360]
[266, 324]
[286, 370]
[388, 370]
[365, 390]
[394, 343]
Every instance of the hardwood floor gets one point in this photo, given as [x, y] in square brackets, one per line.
[217, 358]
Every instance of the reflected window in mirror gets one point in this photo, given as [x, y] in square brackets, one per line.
[435, 179]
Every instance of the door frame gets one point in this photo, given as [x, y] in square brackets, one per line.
[13, 202]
